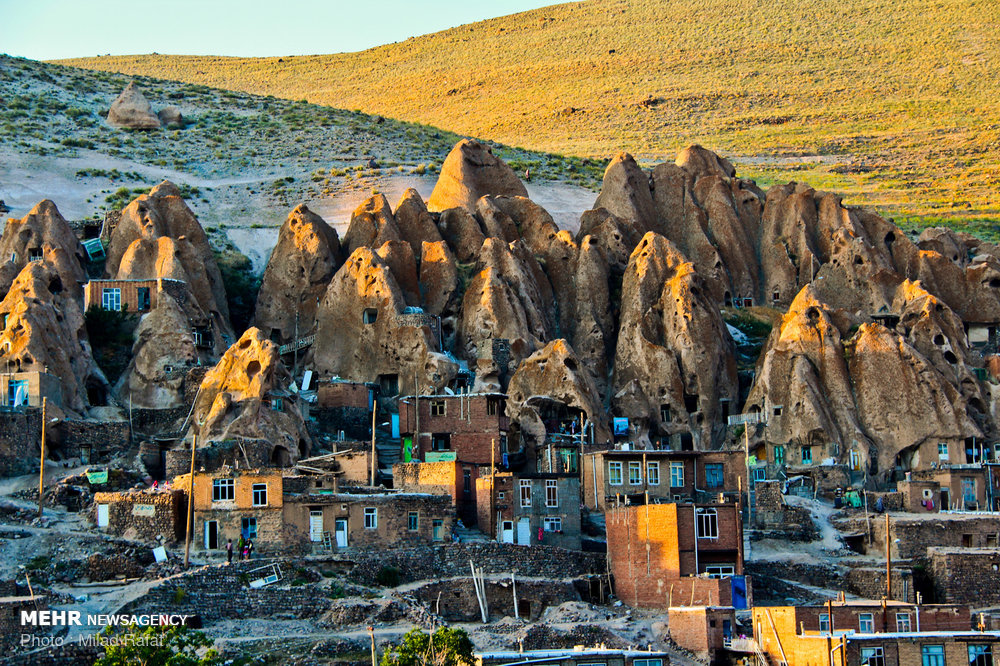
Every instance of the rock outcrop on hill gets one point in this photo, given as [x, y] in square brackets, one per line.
[472, 171]
[246, 396]
[131, 110]
[42, 235]
[363, 333]
[674, 367]
[171, 115]
[159, 237]
[300, 267]
[372, 224]
[44, 331]
[415, 224]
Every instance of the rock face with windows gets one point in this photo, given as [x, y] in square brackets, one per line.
[246, 396]
[42, 235]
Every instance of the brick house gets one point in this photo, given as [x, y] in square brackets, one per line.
[965, 575]
[664, 475]
[19, 389]
[231, 502]
[530, 508]
[451, 478]
[366, 520]
[704, 630]
[138, 296]
[349, 464]
[472, 427]
[664, 555]
[889, 633]
[146, 514]
[346, 406]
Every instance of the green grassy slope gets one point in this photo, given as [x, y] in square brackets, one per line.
[894, 103]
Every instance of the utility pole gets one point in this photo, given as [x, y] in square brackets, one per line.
[416, 411]
[41, 469]
[371, 632]
[374, 412]
[888, 560]
[190, 511]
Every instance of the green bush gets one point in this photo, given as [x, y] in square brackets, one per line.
[387, 576]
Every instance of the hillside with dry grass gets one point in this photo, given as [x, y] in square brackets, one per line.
[895, 104]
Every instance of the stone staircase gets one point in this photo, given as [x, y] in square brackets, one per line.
[470, 534]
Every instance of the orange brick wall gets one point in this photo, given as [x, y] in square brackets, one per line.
[474, 431]
[243, 489]
[342, 394]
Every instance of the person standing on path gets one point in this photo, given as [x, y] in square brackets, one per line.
[229, 551]
[239, 547]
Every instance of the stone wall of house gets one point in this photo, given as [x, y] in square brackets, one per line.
[10, 618]
[965, 575]
[153, 422]
[127, 515]
[869, 583]
[774, 519]
[20, 433]
[915, 532]
[452, 559]
[455, 599]
[104, 438]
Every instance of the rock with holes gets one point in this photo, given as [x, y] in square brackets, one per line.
[625, 194]
[44, 332]
[472, 171]
[398, 256]
[42, 235]
[131, 110]
[416, 225]
[593, 327]
[246, 395]
[461, 230]
[300, 267]
[675, 368]
[551, 376]
[372, 224]
[363, 331]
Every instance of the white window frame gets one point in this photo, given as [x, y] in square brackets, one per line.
[676, 474]
[720, 570]
[615, 472]
[903, 624]
[111, 298]
[943, 455]
[866, 620]
[551, 493]
[525, 494]
[259, 488]
[824, 622]
[708, 523]
[873, 656]
[647, 662]
[371, 517]
[634, 473]
[223, 487]
[552, 523]
[653, 473]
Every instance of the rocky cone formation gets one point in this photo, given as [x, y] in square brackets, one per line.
[44, 331]
[42, 235]
[246, 396]
[300, 267]
[472, 171]
[131, 110]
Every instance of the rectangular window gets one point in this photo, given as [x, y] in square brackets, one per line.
[824, 622]
[676, 475]
[142, 296]
[413, 521]
[866, 623]
[759, 474]
[35, 254]
[807, 455]
[371, 518]
[653, 473]
[492, 406]
[943, 451]
[551, 493]
[111, 299]
[872, 656]
[260, 494]
[647, 662]
[720, 570]
[903, 622]
[552, 524]
[437, 529]
[932, 655]
[439, 407]
[248, 528]
[708, 524]
[615, 473]
[714, 476]
[779, 455]
[525, 493]
[981, 655]
[635, 473]
[441, 441]
[277, 405]
[223, 490]
[369, 316]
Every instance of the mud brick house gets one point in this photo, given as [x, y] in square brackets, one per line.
[374, 519]
[965, 575]
[448, 477]
[349, 465]
[142, 514]
[613, 475]
[20, 389]
[575, 657]
[961, 487]
[530, 508]
[468, 427]
[231, 502]
[137, 296]
[871, 632]
[346, 406]
[664, 555]
[704, 630]
[911, 534]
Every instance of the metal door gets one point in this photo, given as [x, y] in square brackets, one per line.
[524, 531]
[507, 533]
[341, 533]
[316, 526]
[102, 515]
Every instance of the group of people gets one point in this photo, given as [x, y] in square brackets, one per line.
[243, 547]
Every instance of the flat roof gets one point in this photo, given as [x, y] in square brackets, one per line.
[972, 635]
[561, 654]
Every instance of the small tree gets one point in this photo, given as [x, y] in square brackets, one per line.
[445, 647]
[159, 646]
